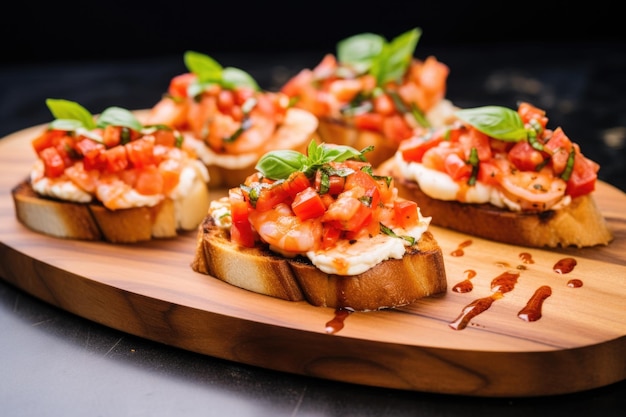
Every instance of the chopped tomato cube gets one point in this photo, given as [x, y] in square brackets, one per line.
[270, 196]
[241, 230]
[396, 129]
[456, 167]
[330, 236]
[524, 156]
[179, 84]
[405, 213]
[347, 213]
[369, 121]
[296, 182]
[583, 178]
[54, 165]
[115, 159]
[308, 204]
[413, 149]
[140, 152]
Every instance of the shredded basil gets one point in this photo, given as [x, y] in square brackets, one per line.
[474, 162]
[569, 167]
[389, 232]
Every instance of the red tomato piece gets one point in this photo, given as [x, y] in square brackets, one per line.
[369, 121]
[583, 178]
[413, 149]
[269, 197]
[456, 167]
[140, 152]
[405, 213]
[524, 156]
[53, 162]
[241, 230]
[308, 204]
[179, 84]
[396, 129]
[115, 159]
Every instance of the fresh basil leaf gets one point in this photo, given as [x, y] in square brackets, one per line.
[234, 77]
[68, 125]
[117, 116]
[339, 153]
[280, 164]
[392, 63]
[495, 121]
[359, 51]
[70, 110]
[205, 67]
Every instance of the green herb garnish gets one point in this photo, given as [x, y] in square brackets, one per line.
[282, 163]
[495, 121]
[70, 116]
[210, 72]
[371, 53]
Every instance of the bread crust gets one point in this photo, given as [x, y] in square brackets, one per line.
[580, 224]
[92, 221]
[391, 283]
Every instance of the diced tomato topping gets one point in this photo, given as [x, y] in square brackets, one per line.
[298, 181]
[489, 173]
[347, 213]
[413, 149]
[308, 204]
[529, 112]
[395, 128]
[456, 167]
[583, 178]
[179, 84]
[475, 139]
[115, 159]
[54, 165]
[335, 185]
[405, 213]
[241, 230]
[558, 147]
[369, 121]
[383, 104]
[330, 236]
[47, 139]
[525, 157]
[140, 152]
[271, 196]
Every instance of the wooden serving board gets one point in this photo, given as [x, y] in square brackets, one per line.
[576, 342]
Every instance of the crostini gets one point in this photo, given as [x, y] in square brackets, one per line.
[321, 227]
[373, 92]
[110, 178]
[228, 120]
[504, 175]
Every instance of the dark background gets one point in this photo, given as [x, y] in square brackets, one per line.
[127, 29]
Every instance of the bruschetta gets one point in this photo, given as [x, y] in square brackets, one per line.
[228, 120]
[110, 178]
[373, 92]
[321, 227]
[504, 175]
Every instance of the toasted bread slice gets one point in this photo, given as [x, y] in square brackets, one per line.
[579, 224]
[69, 220]
[391, 283]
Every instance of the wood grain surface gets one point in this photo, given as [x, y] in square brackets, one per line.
[577, 342]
